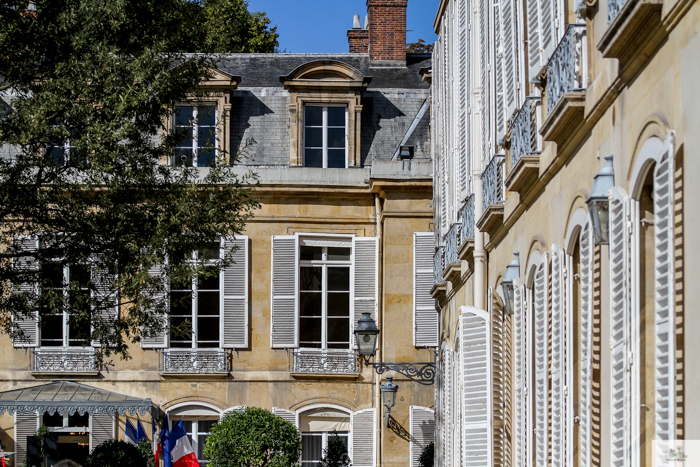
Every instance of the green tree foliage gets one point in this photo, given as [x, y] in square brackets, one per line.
[419, 47]
[146, 451]
[254, 437]
[112, 453]
[426, 458]
[223, 26]
[96, 78]
[336, 454]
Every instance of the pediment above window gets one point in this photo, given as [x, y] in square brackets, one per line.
[325, 74]
[220, 80]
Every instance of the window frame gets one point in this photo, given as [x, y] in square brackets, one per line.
[324, 126]
[195, 129]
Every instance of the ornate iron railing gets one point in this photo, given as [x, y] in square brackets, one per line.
[523, 133]
[566, 69]
[64, 360]
[194, 361]
[452, 242]
[438, 264]
[466, 214]
[324, 361]
[492, 182]
[614, 7]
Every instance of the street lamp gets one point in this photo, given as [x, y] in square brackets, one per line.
[598, 202]
[512, 273]
[388, 390]
[366, 336]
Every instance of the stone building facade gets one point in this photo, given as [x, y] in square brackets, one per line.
[342, 151]
[575, 354]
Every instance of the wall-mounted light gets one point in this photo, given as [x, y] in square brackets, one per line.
[512, 273]
[598, 206]
[366, 335]
[388, 391]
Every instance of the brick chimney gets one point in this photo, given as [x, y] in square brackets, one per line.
[358, 38]
[387, 30]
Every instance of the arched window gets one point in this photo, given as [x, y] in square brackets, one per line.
[316, 426]
[198, 418]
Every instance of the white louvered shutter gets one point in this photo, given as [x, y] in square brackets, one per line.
[160, 339]
[620, 327]
[288, 415]
[422, 423]
[425, 317]
[586, 341]
[107, 295]
[511, 53]
[363, 440]
[485, 52]
[569, 338]
[25, 425]
[520, 422]
[541, 302]
[558, 355]
[664, 298]
[499, 89]
[284, 293]
[365, 281]
[234, 291]
[528, 330]
[548, 28]
[464, 173]
[447, 407]
[235, 408]
[102, 428]
[29, 326]
[475, 341]
[534, 37]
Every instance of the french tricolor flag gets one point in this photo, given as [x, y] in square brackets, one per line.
[181, 451]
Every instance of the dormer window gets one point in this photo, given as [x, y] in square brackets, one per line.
[198, 126]
[325, 136]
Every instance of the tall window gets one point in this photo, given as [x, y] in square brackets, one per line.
[197, 432]
[197, 124]
[70, 284]
[325, 136]
[324, 296]
[195, 305]
[317, 427]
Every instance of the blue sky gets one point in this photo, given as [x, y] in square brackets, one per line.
[320, 26]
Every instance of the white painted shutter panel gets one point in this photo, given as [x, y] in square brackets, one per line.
[568, 457]
[365, 277]
[477, 386]
[235, 408]
[558, 353]
[425, 317]
[101, 429]
[107, 295]
[520, 422]
[30, 326]
[486, 51]
[548, 29]
[284, 307]
[463, 145]
[586, 345]
[510, 45]
[363, 440]
[664, 299]
[541, 303]
[499, 91]
[534, 37]
[447, 407]
[422, 423]
[25, 425]
[288, 415]
[234, 303]
[619, 327]
[160, 339]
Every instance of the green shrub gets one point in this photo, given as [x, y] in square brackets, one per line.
[113, 453]
[336, 454]
[426, 457]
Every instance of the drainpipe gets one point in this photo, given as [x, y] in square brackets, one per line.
[479, 251]
[377, 403]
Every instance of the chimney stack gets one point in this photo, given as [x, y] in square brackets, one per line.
[358, 39]
[387, 30]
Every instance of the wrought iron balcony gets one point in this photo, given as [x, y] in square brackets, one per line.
[466, 214]
[195, 361]
[566, 69]
[524, 132]
[438, 264]
[452, 241]
[64, 360]
[324, 361]
[614, 7]
[492, 182]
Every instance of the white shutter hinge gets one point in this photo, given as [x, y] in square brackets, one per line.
[566, 391]
[631, 358]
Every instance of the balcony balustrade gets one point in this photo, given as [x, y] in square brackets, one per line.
[194, 361]
[64, 360]
[523, 134]
[566, 69]
[466, 214]
[452, 241]
[492, 182]
[614, 7]
[438, 264]
[324, 361]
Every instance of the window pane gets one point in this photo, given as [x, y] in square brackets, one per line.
[183, 115]
[210, 281]
[206, 115]
[313, 138]
[313, 158]
[310, 332]
[339, 279]
[80, 274]
[311, 447]
[336, 116]
[339, 254]
[310, 278]
[52, 421]
[79, 420]
[208, 331]
[339, 330]
[57, 156]
[52, 330]
[212, 252]
[313, 116]
[206, 138]
[206, 157]
[200, 448]
[309, 253]
[336, 158]
[78, 329]
[208, 303]
[52, 275]
[180, 303]
[339, 304]
[336, 138]
[181, 282]
[183, 157]
[310, 304]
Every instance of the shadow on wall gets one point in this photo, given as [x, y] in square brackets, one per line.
[375, 108]
[245, 106]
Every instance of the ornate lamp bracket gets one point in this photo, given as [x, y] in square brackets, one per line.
[420, 372]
